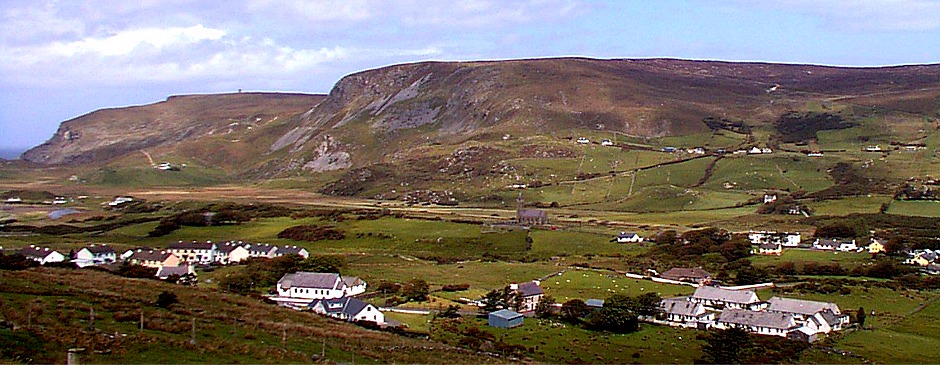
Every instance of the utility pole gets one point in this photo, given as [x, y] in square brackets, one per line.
[141, 319]
[192, 339]
[91, 318]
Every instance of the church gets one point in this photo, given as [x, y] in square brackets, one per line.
[529, 217]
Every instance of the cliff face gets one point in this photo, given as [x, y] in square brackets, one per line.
[110, 133]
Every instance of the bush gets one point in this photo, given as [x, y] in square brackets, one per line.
[166, 299]
[311, 233]
[455, 287]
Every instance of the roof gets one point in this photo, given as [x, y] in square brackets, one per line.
[505, 314]
[352, 281]
[150, 255]
[228, 247]
[685, 272]
[288, 250]
[725, 295]
[347, 305]
[800, 306]
[261, 248]
[627, 234]
[599, 303]
[37, 252]
[314, 280]
[100, 249]
[191, 246]
[831, 318]
[174, 270]
[769, 246]
[681, 306]
[529, 289]
[757, 319]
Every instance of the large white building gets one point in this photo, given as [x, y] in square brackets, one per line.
[304, 287]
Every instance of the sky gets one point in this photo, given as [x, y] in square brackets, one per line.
[63, 59]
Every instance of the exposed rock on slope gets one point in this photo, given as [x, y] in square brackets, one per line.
[109, 133]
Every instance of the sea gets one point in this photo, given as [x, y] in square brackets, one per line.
[11, 153]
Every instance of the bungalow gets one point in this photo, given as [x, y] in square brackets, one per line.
[42, 255]
[530, 292]
[607, 142]
[504, 318]
[194, 252]
[693, 275]
[762, 323]
[291, 250]
[583, 140]
[154, 259]
[921, 258]
[95, 255]
[348, 309]
[166, 271]
[120, 200]
[755, 151]
[625, 237]
[770, 198]
[768, 249]
[681, 310]
[814, 154]
[231, 253]
[833, 244]
[820, 317]
[311, 285]
[875, 148]
[718, 298]
[259, 250]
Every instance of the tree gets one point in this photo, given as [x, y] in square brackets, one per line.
[545, 306]
[416, 290]
[617, 319]
[238, 283]
[860, 317]
[165, 299]
[323, 263]
[575, 309]
[728, 346]
[501, 298]
[835, 231]
[450, 312]
[648, 304]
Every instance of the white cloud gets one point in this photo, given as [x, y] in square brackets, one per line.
[124, 42]
[313, 11]
[483, 13]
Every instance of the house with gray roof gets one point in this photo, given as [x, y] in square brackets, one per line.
[348, 309]
[42, 255]
[194, 252]
[759, 322]
[231, 253]
[684, 312]
[291, 250]
[166, 271]
[95, 255]
[259, 250]
[720, 298]
[153, 259]
[821, 317]
[302, 288]
[687, 274]
[628, 237]
[531, 294]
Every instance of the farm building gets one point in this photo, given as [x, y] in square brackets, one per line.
[505, 318]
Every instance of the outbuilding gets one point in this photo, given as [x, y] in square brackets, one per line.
[505, 318]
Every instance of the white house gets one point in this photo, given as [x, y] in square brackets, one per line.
[231, 253]
[770, 198]
[762, 323]
[120, 200]
[194, 252]
[42, 255]
[821, 317]
[607, 142]
[754, 151]
[837, 245]
[348, 309]
[291, 250]
[95, 255]
[715, 297]
[307, 286]
[530, 292]
[166, 271]
[260, 250]
[682, 311]
[628, 237]
[583, 140]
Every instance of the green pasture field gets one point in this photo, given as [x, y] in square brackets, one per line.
[596, 284]
[479, 274]
[849, 205]
[555, 342]
[670, 198]
[147, 176]
[563, 243]
[915, 208]
[776, 172]
[806, 255]
[415, 322]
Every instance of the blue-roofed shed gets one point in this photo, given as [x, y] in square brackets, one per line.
[505, 318]
[595, 303]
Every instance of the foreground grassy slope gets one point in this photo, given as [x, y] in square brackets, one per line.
[50, 308]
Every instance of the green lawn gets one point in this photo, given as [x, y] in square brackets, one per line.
[587, 284]
[915, 208]
[807, 255]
